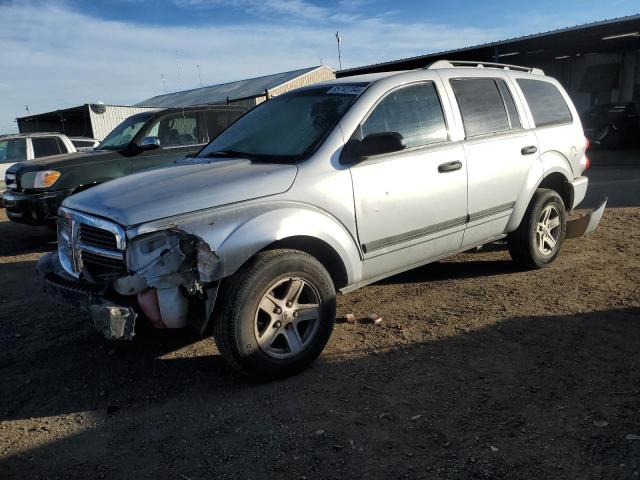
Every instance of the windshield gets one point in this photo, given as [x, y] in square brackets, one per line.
[285, 128]
[124, 133]
[13, 150]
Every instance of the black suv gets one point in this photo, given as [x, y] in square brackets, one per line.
[35, 189]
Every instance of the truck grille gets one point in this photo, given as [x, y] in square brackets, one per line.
[90, 247]
[97, 237]
[102, 268]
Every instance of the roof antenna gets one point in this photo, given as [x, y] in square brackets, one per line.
[339, 40]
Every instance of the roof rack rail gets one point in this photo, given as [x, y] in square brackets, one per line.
[465, 63]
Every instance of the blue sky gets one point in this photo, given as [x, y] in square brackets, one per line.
[57, 54]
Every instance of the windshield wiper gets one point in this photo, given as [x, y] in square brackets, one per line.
[231, 154]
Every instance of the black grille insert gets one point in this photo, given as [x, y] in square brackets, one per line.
[97, 237]
[101, 267]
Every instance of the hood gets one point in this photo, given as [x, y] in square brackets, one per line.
[182, 188]
[65, 160]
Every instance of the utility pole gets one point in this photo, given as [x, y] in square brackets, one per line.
[199, 74]
[164, 82]
[338, 39]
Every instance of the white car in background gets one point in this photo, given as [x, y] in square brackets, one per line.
[27, 146]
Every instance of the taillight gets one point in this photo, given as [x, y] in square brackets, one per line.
[587, 163]
[588, 143]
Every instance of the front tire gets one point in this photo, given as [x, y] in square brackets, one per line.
[276, 314]
[538, 239]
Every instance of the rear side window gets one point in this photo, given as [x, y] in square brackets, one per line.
[414, 112]
[546, 103]
[45, 147]
[482, 106]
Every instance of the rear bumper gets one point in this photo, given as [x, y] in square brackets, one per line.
[586, 224]
[115, 322]
[33, 208]
[579, 186]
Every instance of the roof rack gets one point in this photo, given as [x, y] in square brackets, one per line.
[465, 63]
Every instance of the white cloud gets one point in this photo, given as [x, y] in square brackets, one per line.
[54, 57]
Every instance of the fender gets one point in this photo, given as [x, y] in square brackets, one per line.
[235, 234]
[548, 163]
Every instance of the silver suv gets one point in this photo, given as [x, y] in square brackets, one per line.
[325, 189]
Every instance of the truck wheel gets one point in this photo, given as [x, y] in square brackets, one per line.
[538, 240]
[276, 314]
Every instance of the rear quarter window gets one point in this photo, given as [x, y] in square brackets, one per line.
[546, 103]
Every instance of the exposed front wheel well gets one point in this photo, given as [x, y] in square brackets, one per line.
[320, 250]
[558, 182]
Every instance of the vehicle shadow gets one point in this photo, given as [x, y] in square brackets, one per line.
[463, 267]
[519, 399]
[20, 239]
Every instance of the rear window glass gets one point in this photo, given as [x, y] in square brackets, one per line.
[481, 105]
[546, 103]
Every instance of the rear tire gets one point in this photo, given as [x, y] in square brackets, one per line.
[538, 239]
[276, 314]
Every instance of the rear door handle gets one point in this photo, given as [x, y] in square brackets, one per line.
[530, 150]
[450, 166]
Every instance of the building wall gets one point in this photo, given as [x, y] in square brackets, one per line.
[103, 123]
[320, 74]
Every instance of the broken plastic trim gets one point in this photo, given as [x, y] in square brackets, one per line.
[114, 321]
[583, 225]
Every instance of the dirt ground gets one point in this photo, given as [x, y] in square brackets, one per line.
[477, 371]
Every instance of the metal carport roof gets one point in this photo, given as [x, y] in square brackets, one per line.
[237, 90]
[584, 39]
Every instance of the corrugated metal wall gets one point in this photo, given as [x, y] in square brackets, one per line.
[320, 74]
[103, 123]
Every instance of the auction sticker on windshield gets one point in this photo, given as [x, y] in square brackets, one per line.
[347, 89]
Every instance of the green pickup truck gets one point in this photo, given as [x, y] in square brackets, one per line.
[35, 189]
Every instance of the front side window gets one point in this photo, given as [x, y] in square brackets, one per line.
[13, 150]
[122, 135]
[286, 128]
[414, 112]
[176, 130]
[45, 147]
[217, 121]
[546, 103]
[481, 105]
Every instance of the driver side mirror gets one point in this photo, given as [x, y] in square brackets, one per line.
[150, 143]
[373, 144]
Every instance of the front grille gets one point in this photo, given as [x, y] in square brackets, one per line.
[90, 246]
[97, 237]
[101, 267]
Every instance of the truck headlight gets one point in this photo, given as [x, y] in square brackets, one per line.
[42, 179]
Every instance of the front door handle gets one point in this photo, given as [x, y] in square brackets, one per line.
[450, 166]
[530, 150]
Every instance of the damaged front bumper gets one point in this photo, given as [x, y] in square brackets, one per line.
[116, 322]
[587, 223]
